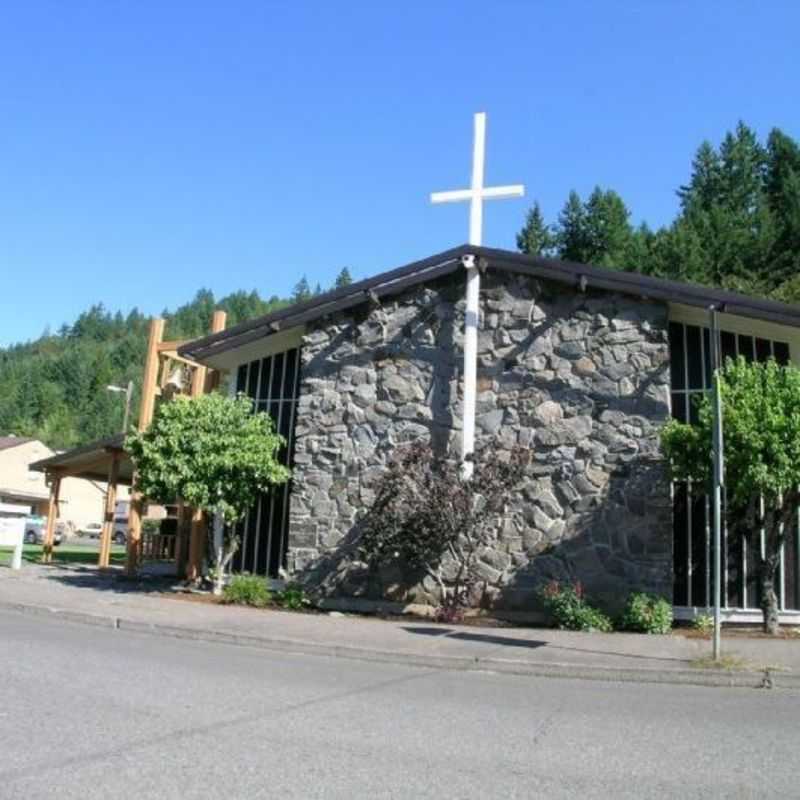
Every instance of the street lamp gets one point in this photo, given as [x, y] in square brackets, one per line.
[128, 392]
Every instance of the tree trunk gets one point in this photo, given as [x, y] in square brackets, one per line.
[769, 597]
[219, 572]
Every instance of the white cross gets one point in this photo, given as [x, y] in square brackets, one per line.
[476, 195]
[478, 192]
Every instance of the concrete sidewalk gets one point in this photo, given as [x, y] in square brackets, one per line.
[83, 595]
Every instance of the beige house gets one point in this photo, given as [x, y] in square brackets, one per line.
[81, 501]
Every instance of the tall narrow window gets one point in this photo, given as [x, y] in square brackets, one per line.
[273, 384]
[690, 373]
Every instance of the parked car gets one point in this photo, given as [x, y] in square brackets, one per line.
[35, 530]
[120, 535]
[92, 530]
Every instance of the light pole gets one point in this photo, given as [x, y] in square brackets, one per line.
[718, 482]
[128, 392]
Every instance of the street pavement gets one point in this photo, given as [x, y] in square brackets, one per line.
[88, 712]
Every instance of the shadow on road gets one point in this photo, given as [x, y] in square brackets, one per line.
[508, 641]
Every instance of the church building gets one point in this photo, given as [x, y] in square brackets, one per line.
[580, 364]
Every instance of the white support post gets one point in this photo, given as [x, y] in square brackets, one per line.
[471, 318]
[718, 482]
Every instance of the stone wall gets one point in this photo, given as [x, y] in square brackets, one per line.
[580, 378]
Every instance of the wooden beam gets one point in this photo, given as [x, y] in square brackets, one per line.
[150, 379]
[146, 411]
[201, 373]
[197, 545]
[52, 514]
[108, 514]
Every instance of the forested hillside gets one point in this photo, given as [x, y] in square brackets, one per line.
[55, 387]
[737, 226]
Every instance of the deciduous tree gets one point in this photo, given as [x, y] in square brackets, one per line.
[761, 422]
[213, 453]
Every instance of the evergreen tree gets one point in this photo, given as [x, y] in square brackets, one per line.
[571, 235]
[343, 279]
[599, 231]
[536, 237]
[302, 291]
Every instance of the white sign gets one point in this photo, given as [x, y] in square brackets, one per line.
[12, 530]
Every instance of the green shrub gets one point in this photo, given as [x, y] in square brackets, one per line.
[151, 526]
[247, 590]
[569, 609]
[703, 623]
[292, 597]
[647, 613]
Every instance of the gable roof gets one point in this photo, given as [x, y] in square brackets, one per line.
[7, 442]
[565, 272]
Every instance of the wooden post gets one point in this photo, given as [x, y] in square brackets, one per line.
[52, 514]
[108, 515]
[146, 410]
[198, 531]
[202, 376]
[197, 545]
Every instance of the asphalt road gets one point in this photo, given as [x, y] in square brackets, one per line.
[90, 713]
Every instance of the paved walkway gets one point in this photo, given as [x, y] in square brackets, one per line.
[80, 594]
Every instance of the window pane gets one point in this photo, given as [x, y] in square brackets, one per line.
[263, 384]
[277, 377]
[252, 379]
[241, 378]
[728, 345]
[680, 522]
[676, 356]
[694, 407]
[781, 350]
[679, 406]
[291, 366]
[694, 357]
[746, 347]
[763, 349]
[707, 357]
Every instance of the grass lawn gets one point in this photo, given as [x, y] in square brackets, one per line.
[65, 553]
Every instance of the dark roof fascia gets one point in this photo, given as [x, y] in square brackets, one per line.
[565, 272]
[107, 444]
[386, 283]
[646, 286]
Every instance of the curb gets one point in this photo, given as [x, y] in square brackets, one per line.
[744, 679]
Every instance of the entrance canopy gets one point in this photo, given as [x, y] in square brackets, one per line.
[92, 461]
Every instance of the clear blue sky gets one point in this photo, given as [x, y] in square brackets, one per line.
[151, 148]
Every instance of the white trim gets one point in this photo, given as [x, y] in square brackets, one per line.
[735, 615]
[740, 325]
[262, 347]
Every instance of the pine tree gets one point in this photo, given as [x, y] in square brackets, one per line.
[536, 238]
[343, 279]
[571, 234]
[302, 291]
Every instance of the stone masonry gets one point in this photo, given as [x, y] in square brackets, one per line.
[581, 378]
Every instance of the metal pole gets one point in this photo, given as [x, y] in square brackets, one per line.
[126, 417]
[718, 481]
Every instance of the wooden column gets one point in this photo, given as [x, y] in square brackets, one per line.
[52, 515]
[146, 410]
[197, 545]
[108, 514]
[198, 530]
